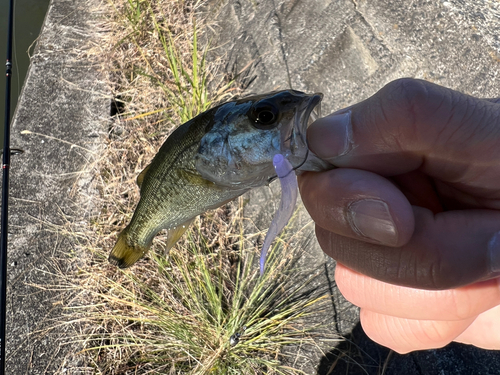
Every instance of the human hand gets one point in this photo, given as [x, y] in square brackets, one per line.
[412, 214]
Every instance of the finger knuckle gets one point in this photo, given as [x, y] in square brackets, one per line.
[409, 94]
[425, 109]
[405, 102]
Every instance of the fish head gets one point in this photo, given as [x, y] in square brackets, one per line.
[244, 136]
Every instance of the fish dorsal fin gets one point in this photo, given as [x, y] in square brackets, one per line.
[176, 232]
[140, 178]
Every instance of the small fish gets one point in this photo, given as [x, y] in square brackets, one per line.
[214, 158]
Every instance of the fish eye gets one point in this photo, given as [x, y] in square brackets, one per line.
[264, 114]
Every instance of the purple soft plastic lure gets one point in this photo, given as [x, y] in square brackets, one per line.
[289, 191]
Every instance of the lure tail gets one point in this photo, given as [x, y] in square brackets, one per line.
[124, 255]
[289, 192]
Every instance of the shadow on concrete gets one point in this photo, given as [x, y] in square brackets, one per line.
[357, 354]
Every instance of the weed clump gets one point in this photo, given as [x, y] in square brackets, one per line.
[202, 309]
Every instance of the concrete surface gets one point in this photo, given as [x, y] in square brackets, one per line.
[346, 49]
[349, 49]
[62, 101]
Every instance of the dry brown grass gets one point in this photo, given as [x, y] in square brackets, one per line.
[175, 314]
[144, 83]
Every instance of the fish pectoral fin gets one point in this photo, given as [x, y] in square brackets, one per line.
[192, 177]
[175, 233]
[140, 178]
[123, 255]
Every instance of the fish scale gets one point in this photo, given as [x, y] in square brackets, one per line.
[172, 193]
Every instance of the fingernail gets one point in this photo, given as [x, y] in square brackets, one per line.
[330, 137]
[371, 218]
[494, 252]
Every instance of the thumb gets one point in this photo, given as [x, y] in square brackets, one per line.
[412, 124]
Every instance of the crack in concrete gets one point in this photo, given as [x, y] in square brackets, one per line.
[332, 285]
[282, 45]
[373, 29]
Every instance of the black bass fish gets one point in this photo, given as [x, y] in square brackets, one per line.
[214, 158]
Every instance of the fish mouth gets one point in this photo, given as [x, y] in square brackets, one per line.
[312, 112]
[295, 147]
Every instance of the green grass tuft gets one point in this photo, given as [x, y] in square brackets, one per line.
[206, 311]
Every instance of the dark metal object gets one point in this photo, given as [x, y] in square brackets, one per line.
[235, 337]
[5, 194]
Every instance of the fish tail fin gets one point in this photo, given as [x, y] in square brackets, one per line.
[124, 255]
